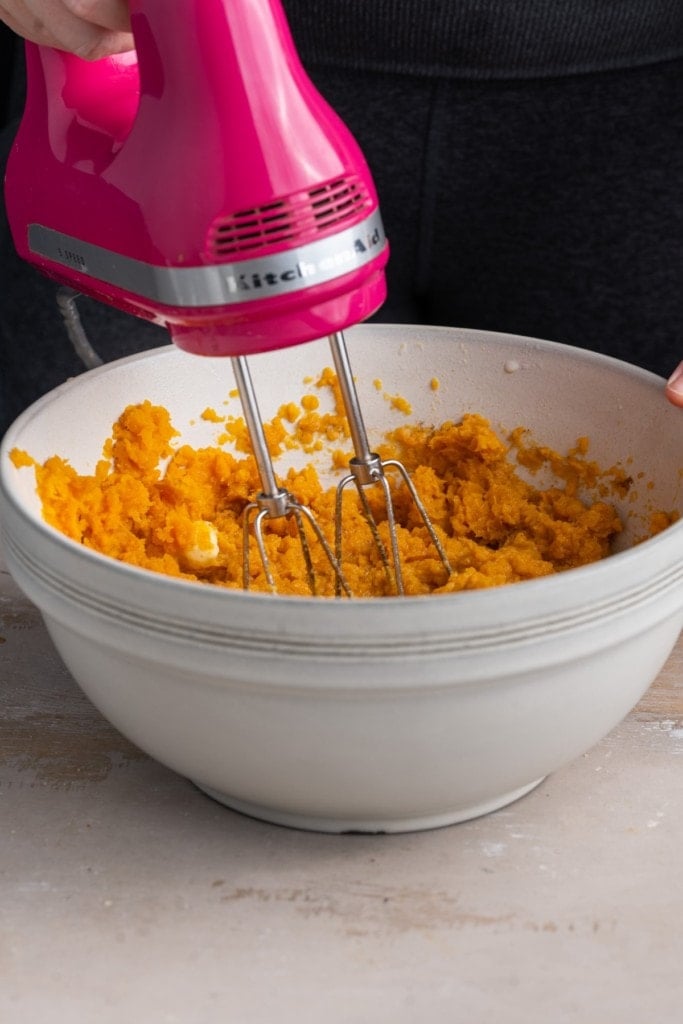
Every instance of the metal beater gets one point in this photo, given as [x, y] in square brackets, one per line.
[275, 501]
[367, 469]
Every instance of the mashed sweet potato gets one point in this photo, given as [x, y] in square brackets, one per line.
[166, 506]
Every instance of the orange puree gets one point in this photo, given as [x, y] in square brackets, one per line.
[171, 508]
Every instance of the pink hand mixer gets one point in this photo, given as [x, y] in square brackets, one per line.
[201, 182]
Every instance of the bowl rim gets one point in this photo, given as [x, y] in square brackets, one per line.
[613, 563]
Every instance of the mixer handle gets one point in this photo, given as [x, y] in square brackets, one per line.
[102, 94]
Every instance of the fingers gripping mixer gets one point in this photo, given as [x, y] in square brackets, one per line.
[201, 182]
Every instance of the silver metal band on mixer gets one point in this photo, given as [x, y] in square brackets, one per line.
[218, 284]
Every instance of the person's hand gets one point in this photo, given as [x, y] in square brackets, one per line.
[89, 28]
[674, 386]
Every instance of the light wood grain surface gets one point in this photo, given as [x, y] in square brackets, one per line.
[128, 896]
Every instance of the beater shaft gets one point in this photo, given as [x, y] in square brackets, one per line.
[366, 468]
[274, 501]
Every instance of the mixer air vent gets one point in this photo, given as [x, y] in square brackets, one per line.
[298, 218]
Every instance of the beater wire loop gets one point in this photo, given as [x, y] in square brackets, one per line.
[367, 468]
[274, 501]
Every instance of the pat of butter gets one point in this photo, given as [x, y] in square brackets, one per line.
[204, 548]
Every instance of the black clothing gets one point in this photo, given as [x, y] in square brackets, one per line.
[486, 39]
[551, 208]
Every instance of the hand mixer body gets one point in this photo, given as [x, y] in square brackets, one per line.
[201, 182]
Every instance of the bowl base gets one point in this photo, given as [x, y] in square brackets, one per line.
[340, 826]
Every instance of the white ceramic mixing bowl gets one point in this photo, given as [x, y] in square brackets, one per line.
[370, 715]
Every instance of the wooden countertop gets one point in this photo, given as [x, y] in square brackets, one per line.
[127, 896]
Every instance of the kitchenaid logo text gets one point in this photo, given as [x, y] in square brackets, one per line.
[306, 270]
[217, 284]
